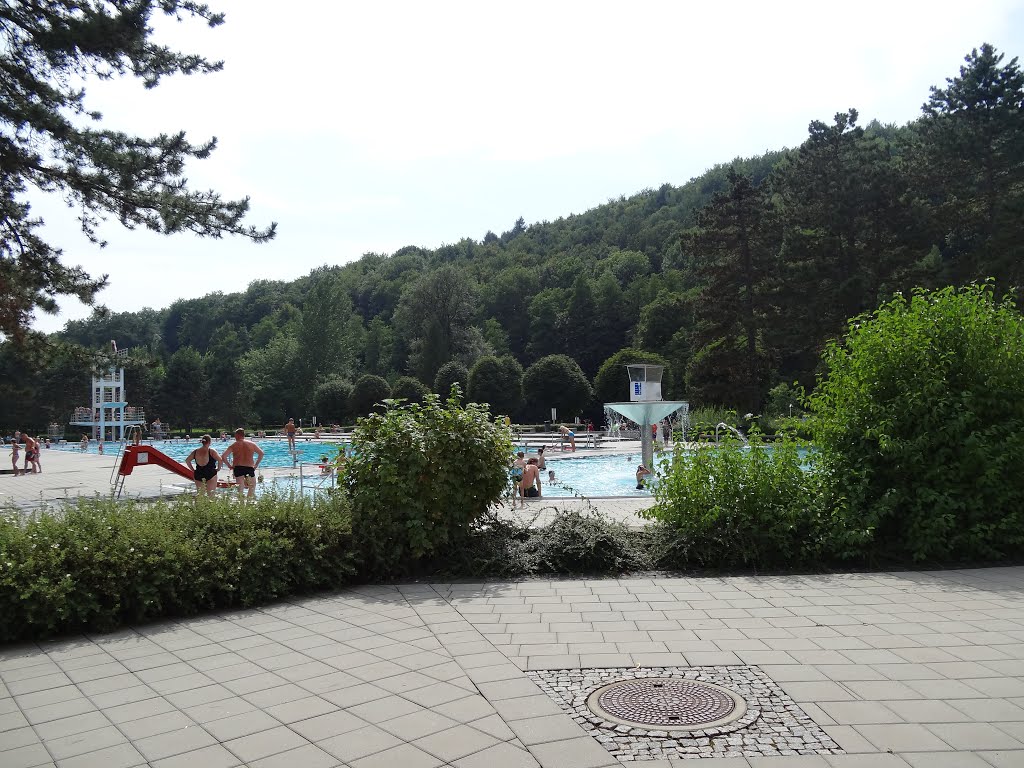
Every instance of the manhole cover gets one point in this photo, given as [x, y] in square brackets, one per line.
[667, 704]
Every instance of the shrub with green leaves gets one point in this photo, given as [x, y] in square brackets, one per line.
[103, 563]
[752, 506]
[920, 421]
[574, 542]
[421, 475]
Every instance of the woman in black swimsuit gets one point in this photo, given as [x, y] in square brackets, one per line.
[205, 473]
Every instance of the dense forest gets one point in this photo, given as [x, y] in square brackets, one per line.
[736, 279]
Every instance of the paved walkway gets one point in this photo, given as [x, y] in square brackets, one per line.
[901, 669]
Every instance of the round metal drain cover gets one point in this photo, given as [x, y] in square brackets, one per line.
[666, 703]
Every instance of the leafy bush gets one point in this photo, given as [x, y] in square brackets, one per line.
[704, 420]
[103, 563]
[782, 400]
[920, 421]
[421, 475]
[733, 505]
[577, 543]
[493, 549]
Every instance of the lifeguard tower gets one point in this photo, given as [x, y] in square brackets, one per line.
[645, 405]
[110, 415]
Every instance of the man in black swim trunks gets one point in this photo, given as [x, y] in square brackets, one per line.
[239, 458]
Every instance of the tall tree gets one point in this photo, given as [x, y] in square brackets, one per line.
[325, 349]
[547, 310]
[581, 327]
[971, 155]
[736, 247]
[224, 407]
[181, 401]
[377, 347]
[52, 143]
[271, 393]
[435, 315]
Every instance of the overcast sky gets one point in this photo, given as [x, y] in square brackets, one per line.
[368, 126]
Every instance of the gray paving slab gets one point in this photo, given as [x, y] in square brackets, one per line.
[362, 742]
[214, 756]
[454, 743]
[499, 756]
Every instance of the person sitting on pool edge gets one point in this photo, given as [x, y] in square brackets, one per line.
[529, 486]
[641, 473]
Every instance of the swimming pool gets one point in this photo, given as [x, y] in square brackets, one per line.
[275, 451]
[604, 475]
[593, 476]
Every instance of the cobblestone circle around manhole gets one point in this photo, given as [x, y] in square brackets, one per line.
[667, 704]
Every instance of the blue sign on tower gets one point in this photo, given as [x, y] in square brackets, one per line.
[638, 388]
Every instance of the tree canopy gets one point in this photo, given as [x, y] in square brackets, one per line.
[52, 142]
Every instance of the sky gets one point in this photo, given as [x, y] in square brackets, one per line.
[365, 127]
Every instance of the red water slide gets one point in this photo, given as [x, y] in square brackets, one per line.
[146, 455]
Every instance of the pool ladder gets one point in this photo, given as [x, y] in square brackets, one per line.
[320, 483]
[116, 478]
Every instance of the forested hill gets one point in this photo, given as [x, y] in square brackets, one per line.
[736, 278]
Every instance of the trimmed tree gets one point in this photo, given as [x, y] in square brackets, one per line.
[449, 374]
[556, 381]
[409, 389]
[368, 394]
[331, 399]
[497, 381]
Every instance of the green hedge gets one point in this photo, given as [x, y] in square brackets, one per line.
[732, 505]
[101, 564]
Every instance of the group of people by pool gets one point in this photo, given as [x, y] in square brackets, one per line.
[32, 450]
[525, 475]
[242, 457]
[526, 483]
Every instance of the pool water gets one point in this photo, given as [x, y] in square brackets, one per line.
[605, 475]
[275, 451]
[594, 476]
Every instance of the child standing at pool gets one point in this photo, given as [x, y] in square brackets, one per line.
[518, 467]
[15, 450]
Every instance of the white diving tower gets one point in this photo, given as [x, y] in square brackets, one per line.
[110, 415]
